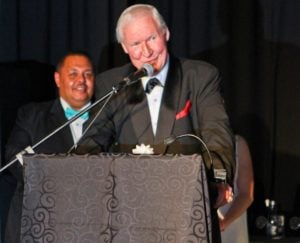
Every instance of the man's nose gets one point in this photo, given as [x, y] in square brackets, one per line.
[146, 50]
[81, 78]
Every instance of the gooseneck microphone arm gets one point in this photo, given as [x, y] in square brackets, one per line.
[172, 139]
[219, 175]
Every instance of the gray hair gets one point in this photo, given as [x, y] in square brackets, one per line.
[134, 11]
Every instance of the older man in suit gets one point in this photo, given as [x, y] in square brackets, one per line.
[184, 100]
[74, 78]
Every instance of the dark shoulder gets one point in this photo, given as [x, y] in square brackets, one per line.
[36, 109]
[115, 73]
[107, 79]
[198, 72]
[192, 64]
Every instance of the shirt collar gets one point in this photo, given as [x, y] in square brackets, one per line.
[65, 104]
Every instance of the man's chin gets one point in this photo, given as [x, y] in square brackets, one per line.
[80, 102]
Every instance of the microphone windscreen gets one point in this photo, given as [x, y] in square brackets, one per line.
[149, 69]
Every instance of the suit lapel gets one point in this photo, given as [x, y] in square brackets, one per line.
[92, 114]
[58, 118]
[140, 115]
[169, 104]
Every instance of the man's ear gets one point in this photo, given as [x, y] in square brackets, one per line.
[124, 48]
[57, 79]
[167, 34]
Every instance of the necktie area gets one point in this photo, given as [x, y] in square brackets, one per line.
[69, 113]
[151, 84]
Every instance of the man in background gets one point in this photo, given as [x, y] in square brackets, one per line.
[74, 78]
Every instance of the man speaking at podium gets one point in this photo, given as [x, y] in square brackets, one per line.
[74, 78]
[180, 97]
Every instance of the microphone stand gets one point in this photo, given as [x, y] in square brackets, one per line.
[115, 89]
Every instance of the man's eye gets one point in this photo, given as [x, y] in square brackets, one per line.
[135, 44]
[88, 75]
[73, 75]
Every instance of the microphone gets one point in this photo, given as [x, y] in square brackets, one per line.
[146, 71]
[219, 174]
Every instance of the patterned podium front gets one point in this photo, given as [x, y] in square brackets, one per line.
[115, 198]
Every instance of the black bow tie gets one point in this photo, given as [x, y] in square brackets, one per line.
[151, 84]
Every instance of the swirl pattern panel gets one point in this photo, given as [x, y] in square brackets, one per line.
[116, 198]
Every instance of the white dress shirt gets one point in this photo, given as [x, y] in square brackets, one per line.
[154, 98]
[75, 126]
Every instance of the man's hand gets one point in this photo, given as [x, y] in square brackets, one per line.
[225, 195]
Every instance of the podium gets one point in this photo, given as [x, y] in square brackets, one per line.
[116, 198]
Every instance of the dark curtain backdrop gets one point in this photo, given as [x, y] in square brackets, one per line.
[254, 43]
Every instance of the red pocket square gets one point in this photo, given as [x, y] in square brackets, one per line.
[185, 110]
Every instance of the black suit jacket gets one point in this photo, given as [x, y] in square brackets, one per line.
[125, 121]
